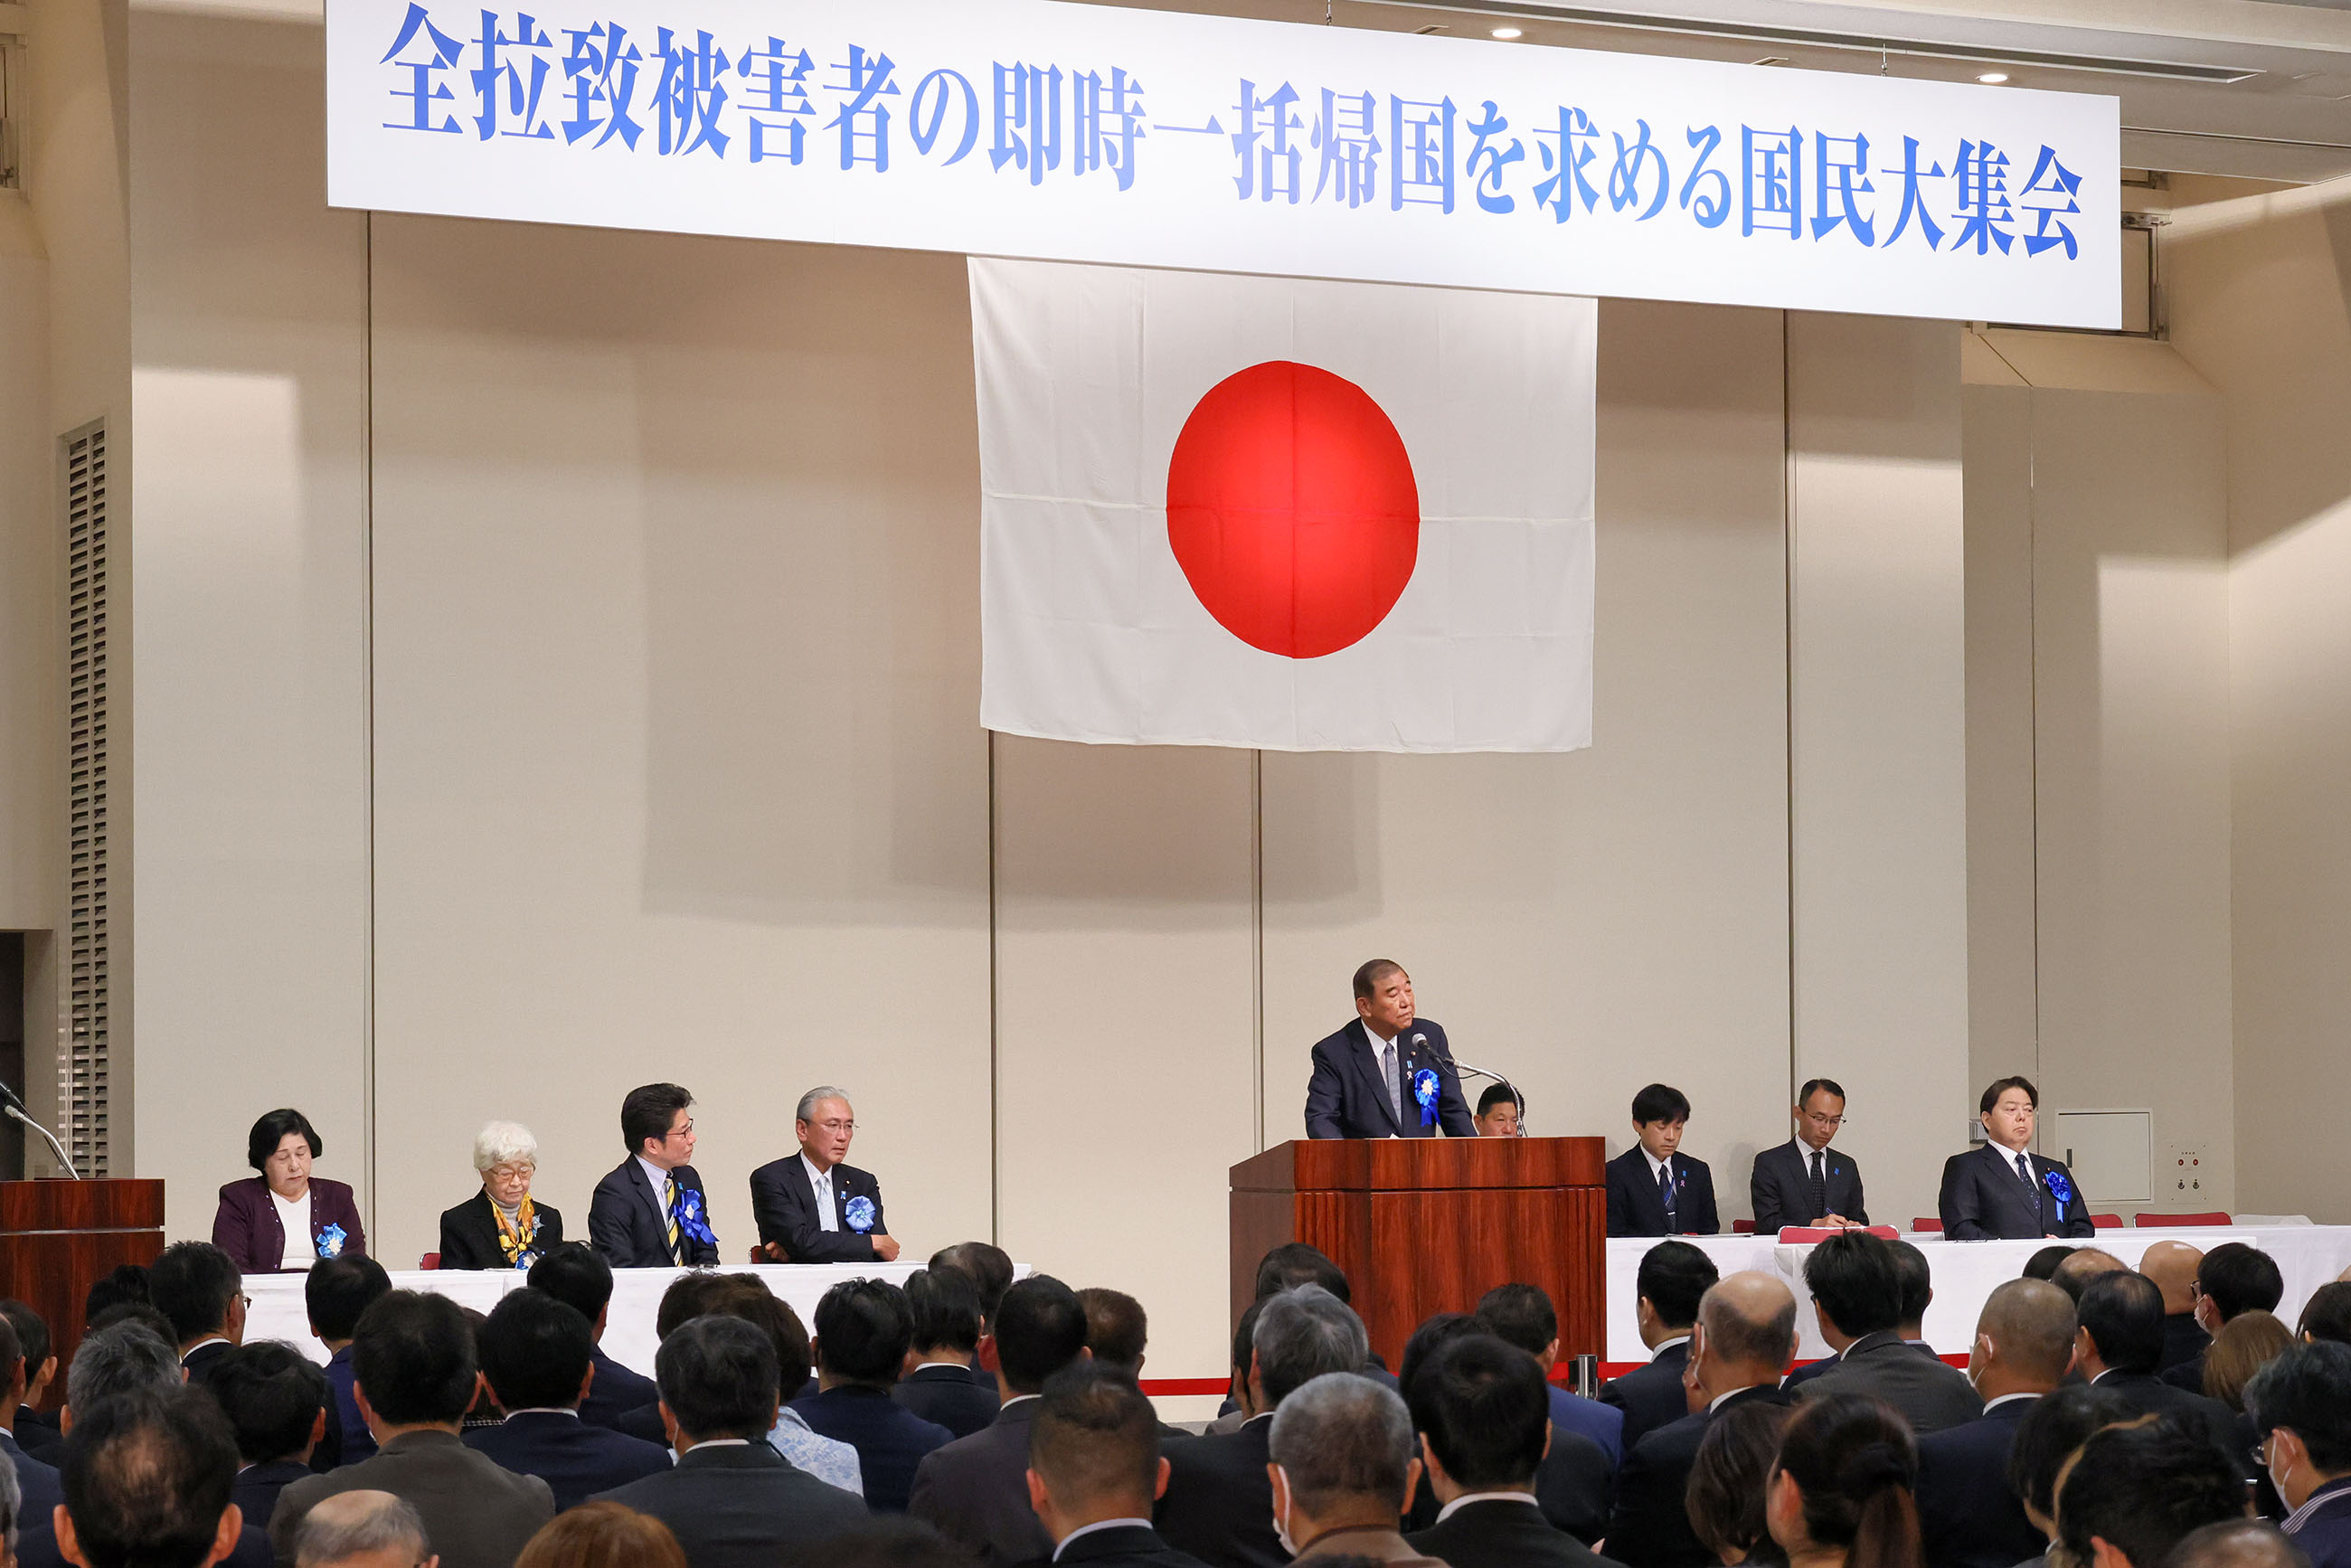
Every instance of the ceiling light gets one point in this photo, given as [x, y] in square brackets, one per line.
[1508, 33]
[1992, 78]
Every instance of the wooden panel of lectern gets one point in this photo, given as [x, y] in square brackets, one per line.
[57, 1238]
[1429, 1224]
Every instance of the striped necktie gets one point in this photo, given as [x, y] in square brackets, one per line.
[669, 1206]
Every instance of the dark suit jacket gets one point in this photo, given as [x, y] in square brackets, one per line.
[257, 1486]
[1982, 1200]
[890, 1439]
[202, 1356]
[2326, 1535]
[39, 1548]
[622, 1219]
[1967, 1515]
[783, 1200]
[2188, 1375]
[358, 1442]
[1930, 1394]
[37, 1434]
[1345, 1097]
[576, 1460]
[1650, 1525]
[1604, 1424]
[39, 1485]
[2184, 1340]
[1128, 1546]
[2150, 1395]
[247, 1227]
[475, 1514]
[1810, 1370]
[741, 1507]
[1636, 1209]
[615, 1392]
[1651, 1396]
[1502, 1535]
[469, 1235]
[974, 1491]
[956, 1397]
[1574, 1484]
[1220, 1503]
[1782, 1188]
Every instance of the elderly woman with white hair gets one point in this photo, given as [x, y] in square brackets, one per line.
[502, 1226]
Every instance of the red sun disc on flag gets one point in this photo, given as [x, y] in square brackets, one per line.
[1291, 508]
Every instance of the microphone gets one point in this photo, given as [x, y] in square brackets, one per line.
[23, 1113]
[1460, 1067]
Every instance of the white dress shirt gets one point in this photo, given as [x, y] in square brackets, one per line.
[828, 1213]
[1466, 1497]
[1391, 1084]
[660, 1179]
[1099, 1524]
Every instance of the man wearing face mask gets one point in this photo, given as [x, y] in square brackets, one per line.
[2301, 1404]
[1343, 1465]
[1968, 1516]
[1996, 1190]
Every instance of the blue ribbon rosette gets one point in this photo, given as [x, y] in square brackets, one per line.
[690, 1222]
[860, 1212]
[2060, 1189]
[330, 1240]
[1423, 1092]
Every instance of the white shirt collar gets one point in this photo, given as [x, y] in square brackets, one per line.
[1466, 1497]
[544, 1410]
[720, 1443]
[1715, 1404]
[1666, 1344]
[1804, 1153]
[1098, 1524]
[1992, 1404]
[1019, 1399]
[654, 1175]
[1375, 1036]
[1656, 1164]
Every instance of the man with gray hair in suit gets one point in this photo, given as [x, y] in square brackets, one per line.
[811, 1209]
[364, 1529]
[1342, 1467]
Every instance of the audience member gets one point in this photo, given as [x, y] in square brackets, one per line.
[277, 1404]
[2046, 1440]
[1840, 1494]
[11, 1506]
[988, 1267]
[364, 1529]
[972, 1490]
[1219, 1505]
[862, 1334]
[940, 1384]
[732, 1502]
[147, 1481]
[414, 1374]
[143, 1313]
[2086, 1263]
[1484, 1419]
[576, 1275]
[833, 1462]
[1856, 1289]
[2135, 1492]
[1745, 1334]
[1522, 1315]
[336, 1290]
[123, 1282]
[1118, 1335]
[537, 1356]
[36, 1433]
[198, 1287]
[2116, 1347]
[1341, 1451]
[1917, 1282]
[2301, 1406]
[1294, 1263]
[2236, 1543]
[2327, 1314]
[2172, 1266]
[2246, 1343]
[1728, 1480]
[1969, 1515]
[1576, 1479]
[38, 1487]
[602, 1535]
[2232, 1278]
[1672, 1275]
[2043, 1264]
[1095, 1470]
[1236, 1412]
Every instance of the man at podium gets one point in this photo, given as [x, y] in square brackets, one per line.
[1388, 1074]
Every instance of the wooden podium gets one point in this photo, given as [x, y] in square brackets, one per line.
[1429, 1224]
[56, 1238]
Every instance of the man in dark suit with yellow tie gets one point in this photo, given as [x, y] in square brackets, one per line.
[651, 1211]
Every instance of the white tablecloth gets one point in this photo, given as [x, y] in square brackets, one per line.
[1966, 1272]
[278, 1311]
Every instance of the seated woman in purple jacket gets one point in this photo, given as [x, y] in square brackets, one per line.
[285, 1219]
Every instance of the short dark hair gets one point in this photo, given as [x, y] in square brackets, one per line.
[1486, 1411]
[1673, 1275]
[2000, 1086]
[1368, 978]
[1040, 1329]
[2142, 1487]
[2236, 1278]
[1724, 1498]
[272, 1396]
[1244, 1335]
[1519, 1315]
[1431, 1334]
[2123, 1313]
[1294, 1263]
[142, 1314]
[2053, 1426]
[124, 1282]
[863, 1329]
[32, 1333]
[773, 1316]
[1117, 1328]
[1857, 1463]
[647, 1110]
[193, 1284]
[2237, 1543]
[147, 1477]
[270, 1132]
[573, 1274]
[340, 1288]
[1660, 1102]
[1917, 1280]
[535, 1351]
[12, 1354]
[1814, 1084]
[2309, 1390]
[690, 1295]
[717, 1376]
[989, 1266]
[2042, 1265]
[1855, 1279]
[2326, 1315]
[945, 1307]
[1501, 1095]
[1094, 1438]
[413, 1354]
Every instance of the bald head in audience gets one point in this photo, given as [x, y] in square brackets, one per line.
[2024, 1340]
[362, 1530]
[2075, 1274]
[1745, 1335]
[2236, 1543]
[2172, 1266]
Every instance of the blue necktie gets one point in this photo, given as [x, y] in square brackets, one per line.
[1665, 1192]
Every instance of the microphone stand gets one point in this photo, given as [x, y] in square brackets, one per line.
[1460, 1067]
[17, 1108]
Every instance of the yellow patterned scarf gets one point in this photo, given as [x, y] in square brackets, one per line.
[515, 1240]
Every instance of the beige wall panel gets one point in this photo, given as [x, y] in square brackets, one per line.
[676, 668]
[1878, 740]
[1125, 1024]
[32, 634]
[246, 567]
[1592, 922]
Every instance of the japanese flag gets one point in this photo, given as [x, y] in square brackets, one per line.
[1265, 512]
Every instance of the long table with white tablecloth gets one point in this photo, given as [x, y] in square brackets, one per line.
[1965, 1273]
